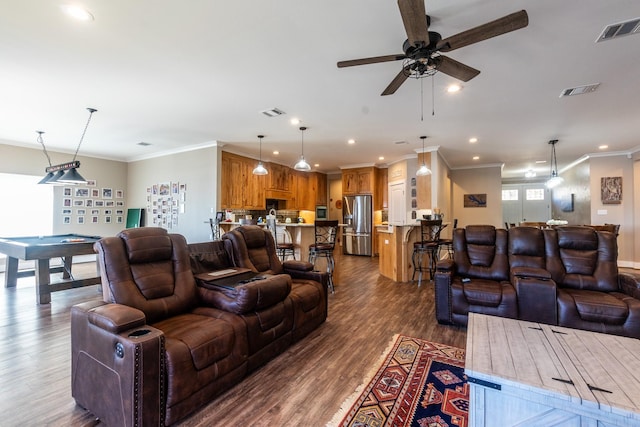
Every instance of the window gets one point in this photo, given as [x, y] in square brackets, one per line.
[27, 208]
[510, 194]
[534, 194]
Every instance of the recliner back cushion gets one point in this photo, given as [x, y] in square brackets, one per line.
[526, 247]
[253, 247]
[151, 265]
[582, 258]
[481, 251]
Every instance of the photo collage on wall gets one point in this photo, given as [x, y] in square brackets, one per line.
[165, 202]
[88, 204]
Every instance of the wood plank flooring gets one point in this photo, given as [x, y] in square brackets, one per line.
[304, 386]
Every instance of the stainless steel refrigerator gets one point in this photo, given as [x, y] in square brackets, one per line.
[358, 228]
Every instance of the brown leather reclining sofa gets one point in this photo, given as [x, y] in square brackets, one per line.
[161, 346]
[566, 276]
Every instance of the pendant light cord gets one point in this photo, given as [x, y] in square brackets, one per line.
[421, 101]
[433, 102]
[91, 111]
[43, 147]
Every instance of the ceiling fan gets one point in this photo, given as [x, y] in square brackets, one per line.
[423, 47]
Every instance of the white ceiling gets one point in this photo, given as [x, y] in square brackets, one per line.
[177, 74]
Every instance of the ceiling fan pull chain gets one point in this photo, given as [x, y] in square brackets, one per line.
[421, 102]
[433, 102]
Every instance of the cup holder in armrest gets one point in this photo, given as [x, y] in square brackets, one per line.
[139, 333]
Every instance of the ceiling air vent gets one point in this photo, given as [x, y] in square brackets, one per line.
[144, 144]
[579, 90]
[273, 112]
[620, 29]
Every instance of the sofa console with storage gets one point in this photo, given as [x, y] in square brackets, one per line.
[566, 276]
[163, 343]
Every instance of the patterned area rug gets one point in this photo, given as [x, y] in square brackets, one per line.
[420, 383]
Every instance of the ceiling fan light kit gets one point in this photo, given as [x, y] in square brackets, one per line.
[422, 50]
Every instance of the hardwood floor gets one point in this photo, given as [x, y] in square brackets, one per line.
[304, 386]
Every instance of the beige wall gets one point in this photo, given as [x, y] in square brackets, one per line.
[198, 170]
[622, 213]
[477, 181]
[106, 173]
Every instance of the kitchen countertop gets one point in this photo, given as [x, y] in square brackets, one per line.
[286, 224]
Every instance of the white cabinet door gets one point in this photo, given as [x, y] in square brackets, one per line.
[397, 203]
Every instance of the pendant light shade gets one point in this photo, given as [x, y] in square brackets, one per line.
[260, 169]
[554, 178]
[72, 176]
[424, 170]
[302, 164]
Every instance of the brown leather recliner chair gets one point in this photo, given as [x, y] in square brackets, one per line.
[253, 247]
[156, 353]
[477, 279]
[592, 295]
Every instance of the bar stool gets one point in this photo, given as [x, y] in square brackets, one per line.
[447, 244]
[426, 249]
[325, 241]
[282, 240]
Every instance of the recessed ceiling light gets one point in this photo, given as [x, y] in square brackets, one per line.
[316, 165]
[275, 153]
[476, 157]
[453, 88]
[77, 12]
[381, 158]
[351, 141]
[295, 121]
[541, 161]
[473, 140]
[603, 147]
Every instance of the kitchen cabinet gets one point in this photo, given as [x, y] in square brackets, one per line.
[358, 181]
[310, 190]
[240, 188]
[321, 188]
[381, 191]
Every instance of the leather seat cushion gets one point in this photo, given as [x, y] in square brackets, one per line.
[482, 292]
[207, 339]
[594, 306]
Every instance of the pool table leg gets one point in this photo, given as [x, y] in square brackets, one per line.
[68, 261]
[11, 273]
[43, 277]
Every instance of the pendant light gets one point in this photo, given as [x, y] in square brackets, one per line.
[302, 165]
[424, 170]
[65, 173]
[260, 169]
[554, 179]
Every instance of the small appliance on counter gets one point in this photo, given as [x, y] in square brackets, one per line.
[322, 213]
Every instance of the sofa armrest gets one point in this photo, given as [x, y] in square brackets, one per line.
[117, 364]
[445, 265]
[442, 283]
[317, 276]
[248, 297]
[630, 284]
[294, 265]
[537, 299]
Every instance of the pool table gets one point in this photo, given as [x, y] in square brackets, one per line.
[42, 249]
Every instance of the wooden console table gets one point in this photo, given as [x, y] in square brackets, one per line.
[524, 373]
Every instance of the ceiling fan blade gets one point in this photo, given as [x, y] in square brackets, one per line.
[396, 82]
[454, 68]
[414, 18]
[372, 60]
[503, 25]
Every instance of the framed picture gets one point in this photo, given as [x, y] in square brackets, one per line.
[107, 211]
[95, 193]
[109, 203]
[91, 183]
[66, 220]
[98, 203]
[66, 191]
[119, 203]
[78, 202]
[107, 193]
[611, 190]
[119, 194]
[88, 203]
[107, 220]
[175, 188]
[94, 219]
[475, 200]
[95, 211]
[80, 212]
[81, 192]
[119, 219]
[66, 202]
[119, 211]
[80, 220]
[66, 211]
[164, 189]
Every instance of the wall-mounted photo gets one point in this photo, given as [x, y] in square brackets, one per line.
[81, 192]
[107, 193]
[611, 190]
[475, 200]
